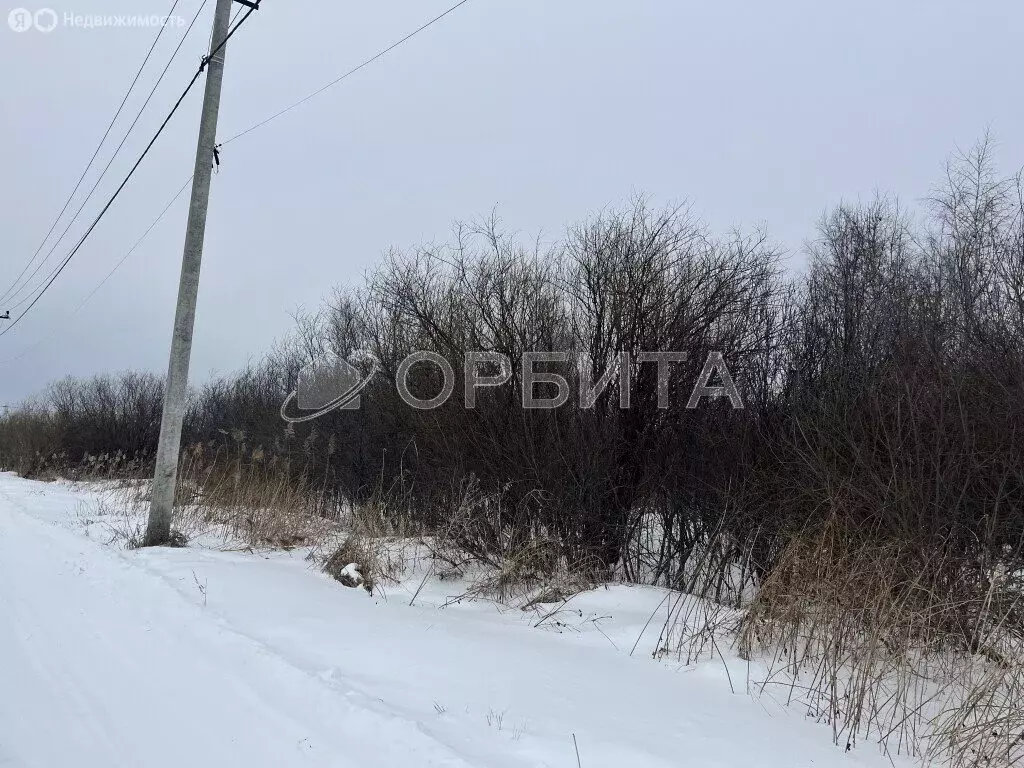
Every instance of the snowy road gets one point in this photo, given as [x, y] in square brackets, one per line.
[106, 665]
[199, 657]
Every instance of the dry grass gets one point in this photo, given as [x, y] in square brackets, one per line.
[382, 560]
[251, 499]
[354, 551]
[250, 502]
[255, 502]
[479, 540]
[920, 653]
[984, 725]
[378, 537]
[918, 649]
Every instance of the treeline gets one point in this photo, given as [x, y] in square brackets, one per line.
[882, 391]
[866, 503]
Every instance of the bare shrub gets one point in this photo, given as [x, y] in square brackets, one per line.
[29, 444]
[984, 724]
[888, 642]
[354, 552]
[865, 507]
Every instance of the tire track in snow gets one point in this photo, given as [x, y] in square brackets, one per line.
[132, 674]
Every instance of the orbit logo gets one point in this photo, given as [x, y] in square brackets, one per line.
[22, 20]
[331, 385]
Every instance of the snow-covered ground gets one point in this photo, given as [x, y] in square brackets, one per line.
[209, 657]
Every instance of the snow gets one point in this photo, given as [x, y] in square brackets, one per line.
[351, 574]
[204, 656]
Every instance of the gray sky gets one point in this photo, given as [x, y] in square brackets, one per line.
[545, 110]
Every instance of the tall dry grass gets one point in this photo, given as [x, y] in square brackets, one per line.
[918, 650]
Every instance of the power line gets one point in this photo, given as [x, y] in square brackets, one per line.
[137, 243]
[95, 153]
[252, 128]
[103, 174]
[348, 74]
[56, 273]
[109, 274]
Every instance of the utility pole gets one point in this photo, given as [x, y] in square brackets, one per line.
[161, 506]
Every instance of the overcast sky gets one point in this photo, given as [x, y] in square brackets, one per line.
[545, 110]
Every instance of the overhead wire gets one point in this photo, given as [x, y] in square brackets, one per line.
[28, 350]
[11, 305]
[347, 74]
[233, 138]
[57, 272]
[95, 154]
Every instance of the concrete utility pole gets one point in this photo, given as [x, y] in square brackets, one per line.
[158, 530]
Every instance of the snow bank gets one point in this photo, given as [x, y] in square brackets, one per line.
[205, 657]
